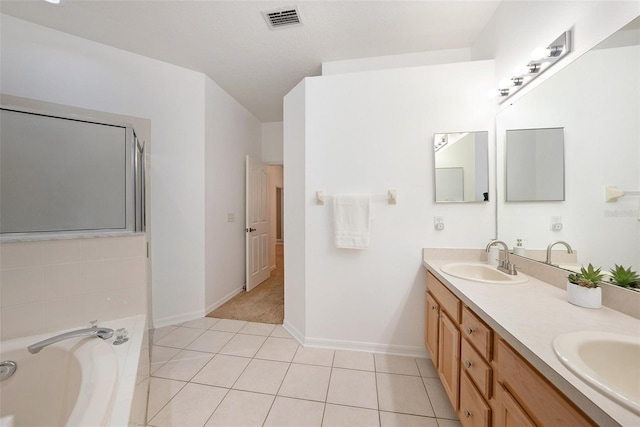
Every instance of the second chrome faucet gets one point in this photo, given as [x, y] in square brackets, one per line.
[551, 245]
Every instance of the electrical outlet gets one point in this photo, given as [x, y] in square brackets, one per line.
[231, 217]
[438, 222]
[556, 223]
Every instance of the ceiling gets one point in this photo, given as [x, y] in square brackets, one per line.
[230, 42]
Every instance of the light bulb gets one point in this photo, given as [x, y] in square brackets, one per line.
[520, 70]
[539, 53]
[504, 83]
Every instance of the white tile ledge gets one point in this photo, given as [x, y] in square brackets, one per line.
[529, 316]
[37, 237]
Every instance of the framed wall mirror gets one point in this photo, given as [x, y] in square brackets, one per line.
[534, 165]
[461, 167]
[596, 99]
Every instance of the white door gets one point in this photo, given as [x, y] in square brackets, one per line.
[257, 223]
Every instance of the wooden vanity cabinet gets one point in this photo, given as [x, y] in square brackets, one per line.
[432, 312]
[443, 335]
[487, 381]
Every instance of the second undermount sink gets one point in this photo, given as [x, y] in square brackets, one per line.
[608, 362]
[482, 273]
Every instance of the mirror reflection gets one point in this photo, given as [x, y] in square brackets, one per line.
[596, 99]
[535, 165]
[461, 167]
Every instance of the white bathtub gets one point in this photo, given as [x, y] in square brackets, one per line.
[76, 382]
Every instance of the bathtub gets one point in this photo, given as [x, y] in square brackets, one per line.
[76, 382]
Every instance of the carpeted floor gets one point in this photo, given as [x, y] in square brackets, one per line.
[264, 304]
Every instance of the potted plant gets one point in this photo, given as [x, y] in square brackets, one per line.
[627, 278]
[584, 289]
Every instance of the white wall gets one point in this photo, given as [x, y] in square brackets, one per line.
[295, 205]
[52, 66]
[518, 27]
[367, 133]
[272, 143]
[434, 57]
[231, 133]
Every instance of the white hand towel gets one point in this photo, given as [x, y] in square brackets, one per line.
[352, 220]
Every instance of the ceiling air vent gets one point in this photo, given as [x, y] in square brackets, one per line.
[284, 17]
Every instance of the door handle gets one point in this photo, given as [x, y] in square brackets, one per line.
[249, 230]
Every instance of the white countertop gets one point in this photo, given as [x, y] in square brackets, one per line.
[529, 316]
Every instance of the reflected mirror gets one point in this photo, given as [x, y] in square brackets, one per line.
[596, 99]
[461, 167]
[534, 165]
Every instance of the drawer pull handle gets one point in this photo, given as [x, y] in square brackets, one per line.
[467, 363]
[469, 331]
[433, 307]
[467, 414]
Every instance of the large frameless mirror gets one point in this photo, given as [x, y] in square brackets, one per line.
[596, 100]
[535, 165]
[461, 167]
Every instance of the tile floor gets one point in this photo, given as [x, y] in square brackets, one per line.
[220, 372]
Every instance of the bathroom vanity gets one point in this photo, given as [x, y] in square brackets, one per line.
[492, 347]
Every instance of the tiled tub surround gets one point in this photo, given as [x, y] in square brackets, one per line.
[219, 372]
[51, 285]
[529, 316]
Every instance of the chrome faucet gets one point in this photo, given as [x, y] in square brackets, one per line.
[104, 333]
[504, 265]
[551, 245]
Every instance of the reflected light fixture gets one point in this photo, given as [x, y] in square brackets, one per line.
[541, 60]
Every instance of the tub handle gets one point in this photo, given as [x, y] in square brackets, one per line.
[7, 369]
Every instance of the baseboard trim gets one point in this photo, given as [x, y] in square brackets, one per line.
[224, 299]
[390, 349]
[178, 318]
[296, 334]
[185, 317]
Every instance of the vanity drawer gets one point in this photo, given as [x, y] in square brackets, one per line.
[478, 334]
[474, 411]
[448, 301]
[478, 370]
[540, 400]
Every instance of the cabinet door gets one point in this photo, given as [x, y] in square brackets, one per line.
[432, 310]
[511, 414]
[449, 358]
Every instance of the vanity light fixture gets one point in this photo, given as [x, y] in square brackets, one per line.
[53, 1]
[541, 60]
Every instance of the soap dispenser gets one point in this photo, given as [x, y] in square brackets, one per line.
[518, 249]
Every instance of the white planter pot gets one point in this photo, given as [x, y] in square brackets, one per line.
[584, 297]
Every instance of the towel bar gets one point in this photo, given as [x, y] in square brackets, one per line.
[612, 193]
[391, 197]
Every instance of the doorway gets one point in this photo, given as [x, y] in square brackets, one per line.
[265, 302]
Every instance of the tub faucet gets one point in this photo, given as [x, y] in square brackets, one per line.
[504, 265]
[551, 245]
[104, 333]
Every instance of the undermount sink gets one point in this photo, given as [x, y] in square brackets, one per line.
[483, 273]
[608, 362]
